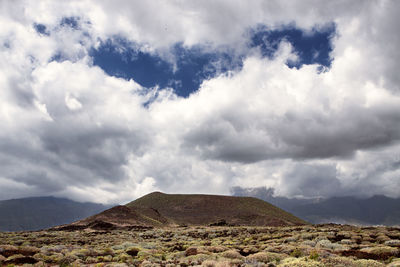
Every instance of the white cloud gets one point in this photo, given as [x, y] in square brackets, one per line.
[68, 129]
[72, 103]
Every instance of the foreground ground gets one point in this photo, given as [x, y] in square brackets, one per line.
[323, 245]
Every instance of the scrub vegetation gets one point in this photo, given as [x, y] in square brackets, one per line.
[320, 245]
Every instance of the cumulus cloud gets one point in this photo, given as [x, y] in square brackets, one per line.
[277, 112]
[69, 129]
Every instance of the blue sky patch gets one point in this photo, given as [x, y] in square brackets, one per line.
[72, 22]
[312, 48]
[120, 58]
[41, 29]
[58, 57]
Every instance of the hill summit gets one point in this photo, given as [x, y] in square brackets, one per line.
[209, 209]
[159, 209]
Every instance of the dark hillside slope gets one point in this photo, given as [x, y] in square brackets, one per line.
[121, 217]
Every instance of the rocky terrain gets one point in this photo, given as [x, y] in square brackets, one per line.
[320, 245]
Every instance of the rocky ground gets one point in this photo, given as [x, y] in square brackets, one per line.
[322, 245]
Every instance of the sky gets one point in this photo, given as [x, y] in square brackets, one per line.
[106, 101]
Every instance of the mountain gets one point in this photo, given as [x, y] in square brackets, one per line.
[36, 213]
[376, 210]
[208, 209]
[158, 209]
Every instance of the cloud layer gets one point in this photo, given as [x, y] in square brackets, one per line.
[69, 129]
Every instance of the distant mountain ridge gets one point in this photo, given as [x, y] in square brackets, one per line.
[158, 210]
[375, 210]
[37, 213]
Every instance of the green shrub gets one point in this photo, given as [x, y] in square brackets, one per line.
[296, 253]
[314, 255]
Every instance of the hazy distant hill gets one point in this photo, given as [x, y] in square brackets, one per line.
[376, 210]
[159, 209]
[43, 212]
[347, 210]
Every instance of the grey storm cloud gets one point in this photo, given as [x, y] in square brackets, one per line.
[312, 181]
[261, 192]
[294, 134]
[56, 158]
